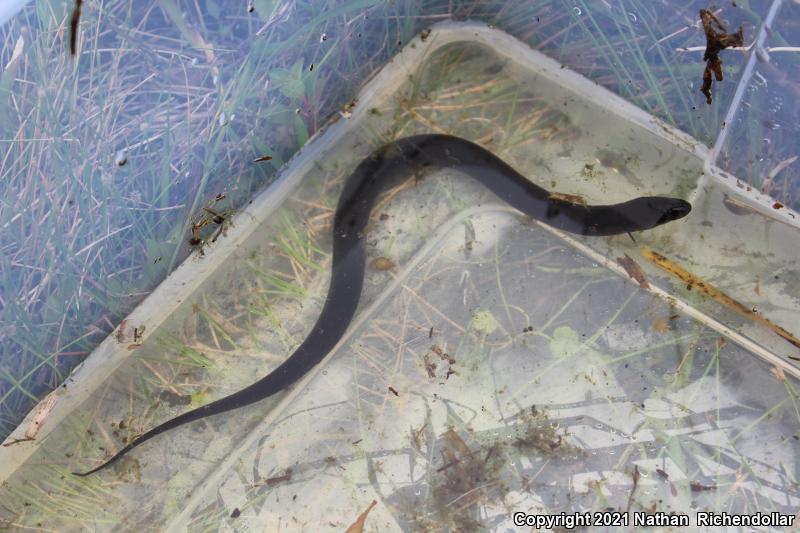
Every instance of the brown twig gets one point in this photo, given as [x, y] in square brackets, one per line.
[73, 26]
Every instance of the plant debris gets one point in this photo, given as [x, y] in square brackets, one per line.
[173, 398]
[467, 476]
[358, 525]
[571, 198]
[382, 264]
[717, 39]
[286, 476]
[634, 270]
[699, 487]
[347, 109]
[73, 27]
[692, 281]
[207, 217]
[635, 477]
[12, 442]
[444, 356]
[121, 334]
[540, 435]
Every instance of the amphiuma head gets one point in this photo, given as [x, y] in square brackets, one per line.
[638, 214]
[668, 209]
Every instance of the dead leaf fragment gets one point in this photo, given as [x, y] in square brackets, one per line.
[661, 325]
[382, 264]
[42, 410]
[358, 525]
[634, 270]
[717, 39]
[778, 374]
[565, 197]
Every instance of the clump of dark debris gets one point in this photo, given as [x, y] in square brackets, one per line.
[541, 435]
[468, 477]
[717, 39]
[476, 472]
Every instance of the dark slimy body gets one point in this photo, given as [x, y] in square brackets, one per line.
[383, 169]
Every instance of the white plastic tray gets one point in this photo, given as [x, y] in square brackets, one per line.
[557, 379]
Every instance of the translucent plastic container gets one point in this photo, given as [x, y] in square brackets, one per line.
[495, 365]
